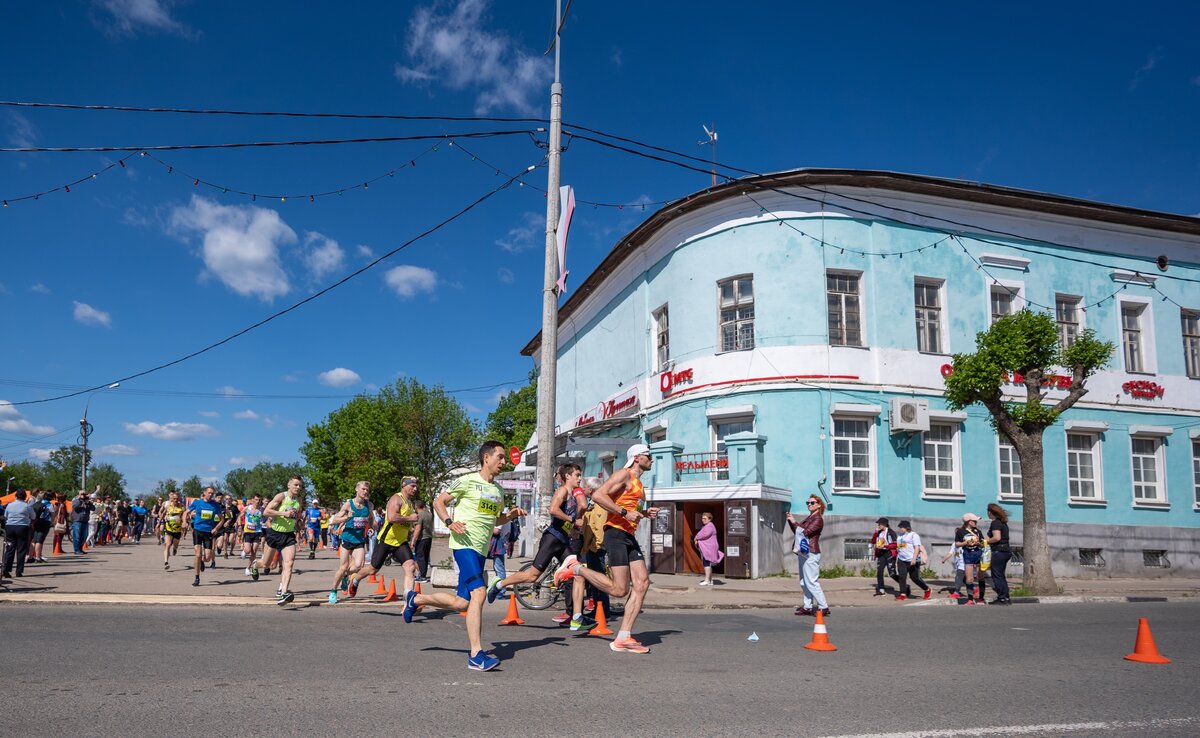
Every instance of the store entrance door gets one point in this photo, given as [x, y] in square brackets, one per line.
[689, 525]
[738, 553]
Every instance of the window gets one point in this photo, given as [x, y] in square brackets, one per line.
[1003, 301]
[736, 303]
[927, 299]
[845, 309]
[656, 436]
[1091, 558]
[852, 453]
[1083, 479]
[1147, 466]
[1018, 556]
[1155, 559]
[1196, 471]
[1067, 313]
[939, 453]
[856, 549]
[1131, 336]
[721, 430]
[1191, 342]
[662, 340]
[1010, 470]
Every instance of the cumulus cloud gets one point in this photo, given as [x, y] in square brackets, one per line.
[530, 232]
[247, 415]
[89, 315]
[1152, 60]
[40, 454]
[240, 245]
[506, 275]
[246, 460]
[229, 391]
[339, 377]
[453, 47]
[40, 288]
[209, 414]
[21, 132]
[128, 17]
[12, 421]
[118, 449]
[409, 281]
[171, 431]
[290, 378]
[365, 252]
[323, 256]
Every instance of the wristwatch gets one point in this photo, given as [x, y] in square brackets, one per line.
[448, 522]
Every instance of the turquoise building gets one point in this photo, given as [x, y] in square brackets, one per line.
[788, 334]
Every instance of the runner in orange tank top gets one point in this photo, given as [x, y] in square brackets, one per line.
[624, 497]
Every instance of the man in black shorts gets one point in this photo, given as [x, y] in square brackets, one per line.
[392, 540]
[204, 517]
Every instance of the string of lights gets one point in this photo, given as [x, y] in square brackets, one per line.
[294, 306]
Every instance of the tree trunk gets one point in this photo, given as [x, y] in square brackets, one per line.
[1039, 577]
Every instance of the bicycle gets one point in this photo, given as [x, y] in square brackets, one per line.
[542, 593]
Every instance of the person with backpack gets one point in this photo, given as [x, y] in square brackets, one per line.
[883, 548]
[43, 521]
[910, 557]
[970, 540]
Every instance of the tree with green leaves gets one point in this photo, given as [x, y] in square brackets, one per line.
[1025, 348]
[29, 475]
[515, 418]
[163, 489]
[407, 428]
[110, 481]
[62, 470]
[192, 487]
[266, 479]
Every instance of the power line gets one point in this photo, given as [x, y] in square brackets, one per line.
[226, 395]
[433, 229]
[277, 114]
[262, 144]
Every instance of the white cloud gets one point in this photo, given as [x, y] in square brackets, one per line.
[339, 377]
[171, 431]
[290, 378]
[1152, 60]
[240, 245]
[209, 414]
[131, 16]
[324, 256]
[365, 252]
[530, 233]
[118, 449]
[246, 460]
[506, 275]
[40, 288]
[229, 391]
[12, 421]
[21, 133]
[247, 415]
[452, 46]
[409, 281]
[40, 454]
[89, 315]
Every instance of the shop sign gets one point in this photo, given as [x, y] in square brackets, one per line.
[702, 463]
[668, 381]
[1143, 389]
[1055, 381]
[614, 407]
[735, 523]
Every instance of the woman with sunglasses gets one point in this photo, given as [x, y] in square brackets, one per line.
[808, 554]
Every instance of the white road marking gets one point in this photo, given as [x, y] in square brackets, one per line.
[1020, 628]
[1113, 725]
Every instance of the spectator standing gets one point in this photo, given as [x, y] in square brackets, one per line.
[62, 520]
[808, 553]
[883, 548]
[970, 540]
[710, 551]
[423, 539]
[1001, 552]
[43, 521]
[910, 556]
[18, 530]
[81, 513]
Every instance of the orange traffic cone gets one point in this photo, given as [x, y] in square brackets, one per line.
[1144, 650]
[391, 593]
[381, 589]
[417, 587]
[57, 546]
[512, 618]
[601, 628]
[463, 614]
[820, 639]
[372, 578]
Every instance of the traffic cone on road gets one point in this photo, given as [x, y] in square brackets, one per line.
[512, 618]
[57, 546]
[1144, 650]
[381, 589]
[372, 578]
[820, 639]
[417, 587]
[601, 628]
[391, 593]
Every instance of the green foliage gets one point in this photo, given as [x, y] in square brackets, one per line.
[406, 428]
[866, 571]
[28, 475]
[110, 481]
[837, 571]
[164, 488]
[266, 479]
[61, 471]
[515, 419]
[927, 573]
[191, 487]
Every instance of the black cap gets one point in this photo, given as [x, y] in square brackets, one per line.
[881, 521]
[905, 524]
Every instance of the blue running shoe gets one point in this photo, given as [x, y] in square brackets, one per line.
[482, 662]
[493, 590]
[410, 605]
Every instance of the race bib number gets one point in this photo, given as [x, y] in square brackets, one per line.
[206, 515]
[358, 523]
[489, 507]
[566, 526]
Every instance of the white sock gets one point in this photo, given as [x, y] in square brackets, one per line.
[575, 569]
[622, 635]
[578, 616]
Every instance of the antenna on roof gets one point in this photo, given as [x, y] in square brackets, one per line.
[711, 141]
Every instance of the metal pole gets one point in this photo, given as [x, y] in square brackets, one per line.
[85, 430]
[547, 384]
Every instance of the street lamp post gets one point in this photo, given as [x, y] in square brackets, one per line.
[85, 430]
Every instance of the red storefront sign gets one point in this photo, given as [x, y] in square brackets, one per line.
[694, 463]
[1057, 381]
[614, 407]
[1143, 389]
[667, 381]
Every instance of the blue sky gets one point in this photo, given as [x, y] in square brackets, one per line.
[141, 266]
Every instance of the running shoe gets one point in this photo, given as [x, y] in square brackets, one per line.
[166, 566]
[825, 612]
[332, 597]
[213, 564]
[285, 598]
[196, 582]
[879, 593]
[201, 567]
[493, 590]
[254, 572]
[954, 595]
[565, 570]
[628, 645]
[928, 594]
[562, 618]
[312, 554]
[410, 607]
[352, 587]
[482, 662]
[345, 581]
[902, 597]
[583, 623]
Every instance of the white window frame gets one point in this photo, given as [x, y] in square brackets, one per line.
[737, 307]
[1196, 473]
[1191, 342]
[1158, 456]
[1076, 303]
[1145, 331]
[954, 476]
[1097, 457]
[1007, 286]
[872, 468]
[862, 308]
[939, 288]
[662, 338]
[1015, 481]
[717, 442]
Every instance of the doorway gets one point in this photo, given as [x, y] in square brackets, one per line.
[689, 524]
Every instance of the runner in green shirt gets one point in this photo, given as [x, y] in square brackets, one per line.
[477, 504]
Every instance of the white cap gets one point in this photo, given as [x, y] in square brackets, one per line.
[635, 451]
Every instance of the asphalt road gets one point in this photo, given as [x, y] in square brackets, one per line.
[360, 670]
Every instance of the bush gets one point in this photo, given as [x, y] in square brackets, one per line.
[836, 572]
[928, 573]
[866, 572]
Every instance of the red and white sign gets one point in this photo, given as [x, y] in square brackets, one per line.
[625, 403]
[1143, 389]
[668, 382]
[514, 455]
[1056, 381]
[705, 463]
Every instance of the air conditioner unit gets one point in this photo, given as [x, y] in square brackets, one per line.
[908, 416]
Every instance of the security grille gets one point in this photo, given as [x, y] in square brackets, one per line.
[1090, 557]
[856, 549]
[1018, 557]
[1155, 559]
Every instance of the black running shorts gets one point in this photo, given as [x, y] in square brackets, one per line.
[551, 547]
[621, 547]
[399, 554]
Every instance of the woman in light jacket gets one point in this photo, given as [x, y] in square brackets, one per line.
[808, 553]
[710, 551]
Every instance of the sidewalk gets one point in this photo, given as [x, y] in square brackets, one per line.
[131, 573]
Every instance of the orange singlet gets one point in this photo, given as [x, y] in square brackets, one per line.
[630, 499]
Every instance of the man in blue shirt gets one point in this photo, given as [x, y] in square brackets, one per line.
[312, 521]
[203, 517]
[139, 520]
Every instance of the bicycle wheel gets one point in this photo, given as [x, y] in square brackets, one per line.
[539, 594]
